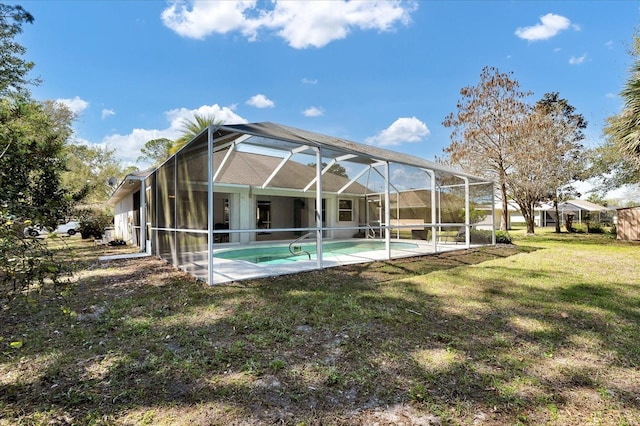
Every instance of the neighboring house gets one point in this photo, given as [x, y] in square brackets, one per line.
[583, 211]
[269, 184]
[628, 223]
[545, 215]
[127, 209]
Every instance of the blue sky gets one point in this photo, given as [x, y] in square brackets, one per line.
[383, 73]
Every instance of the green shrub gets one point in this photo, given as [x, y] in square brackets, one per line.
[579, 228]
[483, 236]
[595, 228]
[503, 237]
[26, 262]
[480, 236]
[93, 223]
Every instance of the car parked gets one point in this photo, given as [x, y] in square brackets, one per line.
[70, 228]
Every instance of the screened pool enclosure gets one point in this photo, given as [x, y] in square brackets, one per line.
[253, 200]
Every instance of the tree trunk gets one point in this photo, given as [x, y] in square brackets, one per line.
[529, 217]
[531, 224]
[504, 219]
[555, 207]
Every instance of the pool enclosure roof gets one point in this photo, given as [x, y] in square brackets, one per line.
[249, 168]
[333, 147]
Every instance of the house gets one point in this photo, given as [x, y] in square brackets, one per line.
[545, 215]
[231, 201]
[583, 211]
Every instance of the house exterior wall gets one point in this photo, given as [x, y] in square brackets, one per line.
[628, 225]
[123, 221]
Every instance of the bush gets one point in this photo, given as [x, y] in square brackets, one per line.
[480, 236]
[503, 237]
[595, 228]
[579, 228]
[26, 262]
[483, 236]
[93, 223]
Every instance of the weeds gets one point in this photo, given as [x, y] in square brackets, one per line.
[500, 335]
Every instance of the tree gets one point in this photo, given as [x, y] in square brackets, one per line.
[597, 199]
[191, 128]
[566, 164]
[624, 128]
[34, 135]
[335, 169]
[13, 69]
[89, 168]
[546, 156]
[156, 151]
[617, 161]
[485, 127]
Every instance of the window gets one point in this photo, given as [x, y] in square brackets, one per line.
[263, 215]
[345, 210]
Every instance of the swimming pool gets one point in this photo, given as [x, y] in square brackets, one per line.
[280, 254]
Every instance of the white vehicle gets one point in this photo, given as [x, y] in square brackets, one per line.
[69, 228]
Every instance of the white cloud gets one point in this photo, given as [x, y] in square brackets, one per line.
[224, 114]
[128, 146]
[610, 95]
[301, 23]
[75, 105]
[260, 101]
[309, 81]
[402, 130]
[577, 61]
[551, 24]
[609, 44]
[313, 112]
[107, 113]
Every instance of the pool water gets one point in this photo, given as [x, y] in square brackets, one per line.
[281, 254]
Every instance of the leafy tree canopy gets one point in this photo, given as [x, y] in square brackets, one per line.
[89, 168]
[33, 136]
[485, 126]
[335, 169]
[13, 68]
[156, 151]
[531, 151]
[617, 162]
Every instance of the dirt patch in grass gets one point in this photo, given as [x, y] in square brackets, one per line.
[498, 335]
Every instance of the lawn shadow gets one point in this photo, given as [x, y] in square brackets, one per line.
[338, 346]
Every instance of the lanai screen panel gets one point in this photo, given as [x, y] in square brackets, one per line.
[192, 208]
[166, 211]
[482, 211]
[411, 204]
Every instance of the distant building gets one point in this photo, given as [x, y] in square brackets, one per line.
[628, 224]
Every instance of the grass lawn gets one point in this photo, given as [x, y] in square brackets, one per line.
[546, 331]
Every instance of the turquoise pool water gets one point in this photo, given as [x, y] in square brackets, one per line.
[281, 254]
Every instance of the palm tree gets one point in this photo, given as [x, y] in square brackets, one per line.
[191, 128]
[624, 128]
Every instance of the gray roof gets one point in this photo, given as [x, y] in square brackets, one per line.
[252, 169]
[583, 205]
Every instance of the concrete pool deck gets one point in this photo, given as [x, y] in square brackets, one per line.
[227, 270]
